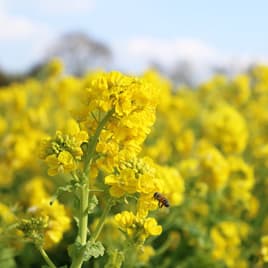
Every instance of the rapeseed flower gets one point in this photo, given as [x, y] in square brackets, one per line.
[226, 127]
[55, 218]
[137, 228]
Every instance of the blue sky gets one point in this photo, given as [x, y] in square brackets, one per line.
[204, 32]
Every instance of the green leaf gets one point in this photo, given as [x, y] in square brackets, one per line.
[74, 250]
[93, 202]
[93, 249]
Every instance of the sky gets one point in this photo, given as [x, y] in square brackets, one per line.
[204, 32]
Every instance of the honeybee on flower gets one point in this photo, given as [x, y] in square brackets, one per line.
[162, 200]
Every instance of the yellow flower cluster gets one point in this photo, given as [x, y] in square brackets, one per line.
[62, 152]
[227, 237]
[213, 167]
[206, 156]
[136, 227]
[239, 188]
[6, 215]
[145, 178]
[129, 104]
[224, 126]
[37, 201]
[264, 248]
[216, 136]
[136, 176]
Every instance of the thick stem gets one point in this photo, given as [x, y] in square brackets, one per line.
[84, 194]
[83, 219]
[83, 215]
[46, 258]
[77, 263]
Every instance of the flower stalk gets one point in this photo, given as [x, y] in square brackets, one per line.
[84, 193]
[46, 257]
[101, 222]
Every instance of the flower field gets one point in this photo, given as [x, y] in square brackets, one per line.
[111, 170]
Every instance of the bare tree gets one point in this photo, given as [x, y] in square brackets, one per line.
[181, 73]
[80, 53]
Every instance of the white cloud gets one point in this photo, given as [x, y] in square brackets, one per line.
[136, 53]
[24, 40]
[169, 51]
[15, 28]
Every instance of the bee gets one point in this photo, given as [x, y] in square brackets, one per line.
[162, 201]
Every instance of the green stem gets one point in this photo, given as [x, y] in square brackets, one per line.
[102, 220]
[84, 194]
[83, 215]
[46, 258]
[83, 220]
[130, 254]
[164, 247]
[77, 262]
[93, 142]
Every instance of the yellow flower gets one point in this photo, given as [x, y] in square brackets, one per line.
[172, 184]
[123, 183]
[226, 238]
[240, 89]
[63, 163]
[226, 127]
[6, 214]
[213, 167]
[136, 176]
[240, 186]
[189, 167]
[126, 178]
[151, 227]
[137, 227]
[145, 204]
[145, 253]
[146, 184]
[130, 103]
[58, 222]
[184, 143]
[74, 138]
[163, 85]
[36, 190]
[54, 67]
[264, 248]
[160, 151]
[215, 84]
[37, 199]
[62, 151]
[126, 221]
